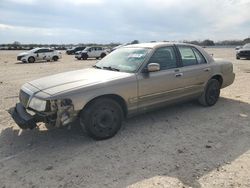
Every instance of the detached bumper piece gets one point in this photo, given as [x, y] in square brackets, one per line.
[22, 118]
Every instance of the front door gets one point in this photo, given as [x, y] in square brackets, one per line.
[155, 88]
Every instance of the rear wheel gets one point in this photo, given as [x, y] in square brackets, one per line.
[31, 60]
[211, 94]
[103, 55]
[237, 57]
[55, 58]
[102, 118]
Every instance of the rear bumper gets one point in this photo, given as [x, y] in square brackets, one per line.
[22, 118]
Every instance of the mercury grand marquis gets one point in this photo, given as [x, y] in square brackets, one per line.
[130, 80]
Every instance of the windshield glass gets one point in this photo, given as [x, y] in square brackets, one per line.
[124, 59]
[33, 50]
[246, 46]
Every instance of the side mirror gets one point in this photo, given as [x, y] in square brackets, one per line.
[153, 67]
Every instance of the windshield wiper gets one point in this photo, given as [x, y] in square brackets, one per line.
[111, 68]
[95, 66]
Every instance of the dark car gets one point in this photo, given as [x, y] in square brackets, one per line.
[243, 52]
[73, 50]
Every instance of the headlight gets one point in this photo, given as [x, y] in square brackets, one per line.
[37, 104]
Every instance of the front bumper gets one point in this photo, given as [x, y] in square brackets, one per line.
[22, 118]
[77, 56]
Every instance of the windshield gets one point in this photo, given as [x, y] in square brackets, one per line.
[246, 46]
[87, 48]
[33, 50]
[124, 59]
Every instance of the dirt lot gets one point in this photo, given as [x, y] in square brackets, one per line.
[179, 146]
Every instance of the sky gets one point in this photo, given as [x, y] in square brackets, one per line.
[105, 21]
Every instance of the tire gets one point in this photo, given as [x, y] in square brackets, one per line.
[103, 55]
[31, 59]
[102, 118]
[78, 58]
[85, 56]
[211, 93]
[55, 58]
[237, 57]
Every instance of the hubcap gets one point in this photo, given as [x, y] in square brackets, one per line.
[104, 120]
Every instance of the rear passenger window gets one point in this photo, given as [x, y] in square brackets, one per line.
[199, 57]
[187, 56]
[165, 57]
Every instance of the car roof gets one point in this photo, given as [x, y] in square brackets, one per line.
[39, 48]
[155, 44]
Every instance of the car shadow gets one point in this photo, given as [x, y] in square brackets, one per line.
[37, 62]
[185, 141]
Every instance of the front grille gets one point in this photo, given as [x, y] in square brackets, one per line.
[24, 98]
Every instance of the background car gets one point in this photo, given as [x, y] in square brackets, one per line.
[39, 54]
[92, 52]
[73, 50]
[243, 52]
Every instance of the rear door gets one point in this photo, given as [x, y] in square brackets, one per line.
[156, 88]
[195, 71]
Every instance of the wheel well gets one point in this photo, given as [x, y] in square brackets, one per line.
[219, 78]
[114, 97]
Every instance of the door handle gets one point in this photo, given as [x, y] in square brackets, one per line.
[207, 69]
[179, 75]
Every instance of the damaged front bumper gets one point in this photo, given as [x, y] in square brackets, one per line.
[61, 116]
[22, 118]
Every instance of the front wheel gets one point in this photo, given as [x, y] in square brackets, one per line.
[211, 93]
[31, 60]
[102, 118]
[85, 56]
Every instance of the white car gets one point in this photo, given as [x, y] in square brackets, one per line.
[92, 52]
[39, 54]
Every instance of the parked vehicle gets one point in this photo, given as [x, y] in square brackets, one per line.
[73, 50]
[128, 81]
[39, 54]
[243, 52]
[92, 52]
[238, 47]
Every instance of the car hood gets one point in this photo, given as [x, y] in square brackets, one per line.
[23, 53]
[244, 49]
[67, 81]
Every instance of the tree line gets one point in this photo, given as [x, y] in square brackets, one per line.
[18, 46]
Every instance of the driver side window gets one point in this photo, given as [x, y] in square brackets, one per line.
[165, 57]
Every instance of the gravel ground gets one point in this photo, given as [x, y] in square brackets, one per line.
[184, 145]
